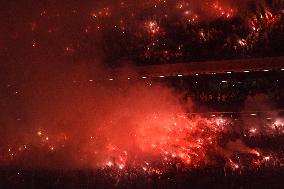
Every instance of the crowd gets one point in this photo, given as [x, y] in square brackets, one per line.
[152, 32]
[231, 92]
[265, 171]
[252, 171]
[261, 35]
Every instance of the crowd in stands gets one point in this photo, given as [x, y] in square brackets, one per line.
[237, 37]
[263, 173]
[232, 92]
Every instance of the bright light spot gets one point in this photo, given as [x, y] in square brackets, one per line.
[179, 75]
[246, 71]
[152, 27]
[34, 44]
[253, 130]
[279, 123]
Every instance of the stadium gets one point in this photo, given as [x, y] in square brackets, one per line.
[147, 94]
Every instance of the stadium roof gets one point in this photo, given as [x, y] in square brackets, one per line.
[210, 67]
